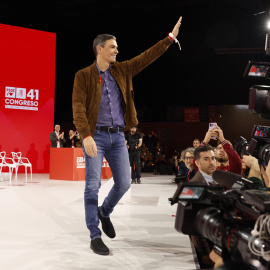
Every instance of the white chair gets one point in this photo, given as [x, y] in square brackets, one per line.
[7, 162]
[21, 161]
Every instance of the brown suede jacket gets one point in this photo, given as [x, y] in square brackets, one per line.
[87, 89]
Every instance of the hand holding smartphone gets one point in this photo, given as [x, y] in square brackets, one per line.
[212, 126]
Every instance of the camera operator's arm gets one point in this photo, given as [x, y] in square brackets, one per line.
[253, 164]
[254, 172]
[266, 175]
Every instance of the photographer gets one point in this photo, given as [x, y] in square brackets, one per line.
[229, 226]
[134, 142]
[227, 158]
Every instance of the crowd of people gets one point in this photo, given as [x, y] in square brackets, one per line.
[151, 156]
[145, 152]
[197, 164]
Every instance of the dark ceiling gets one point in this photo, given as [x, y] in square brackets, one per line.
[199, 75]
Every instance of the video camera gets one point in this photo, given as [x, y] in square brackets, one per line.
[259, 103]
[227, 218]
[259, 145]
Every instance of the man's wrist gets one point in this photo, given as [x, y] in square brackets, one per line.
[171, 37]
[86, 136]
[223, 141]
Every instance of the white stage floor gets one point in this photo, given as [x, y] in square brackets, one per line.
[42, 227]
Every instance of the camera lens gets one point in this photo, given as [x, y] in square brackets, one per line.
[209, 223]
[264, 153]
[241, 146]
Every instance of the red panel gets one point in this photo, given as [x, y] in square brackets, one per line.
[192, 115]
[61, 163]
[27, 88]
[69, 164]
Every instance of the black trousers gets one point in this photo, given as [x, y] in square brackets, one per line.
[134, 159]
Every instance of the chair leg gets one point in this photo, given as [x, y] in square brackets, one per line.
[31, 172]
[16, 170]
[26, 173]
[10, 170]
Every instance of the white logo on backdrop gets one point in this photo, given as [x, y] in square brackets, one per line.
[18, 98]
[81, 162]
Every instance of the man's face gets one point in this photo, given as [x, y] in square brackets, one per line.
[109, 51]
[70, 133]
[57, 128]
[196, 143]
[221, 154]
[189, 160]
[207, 162]
[133, 130]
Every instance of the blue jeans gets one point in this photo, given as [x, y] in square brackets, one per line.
[113, 147]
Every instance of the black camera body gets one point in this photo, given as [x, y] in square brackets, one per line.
[226, 218]
[259, 145]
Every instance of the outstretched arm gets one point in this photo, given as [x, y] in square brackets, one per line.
[138, 63]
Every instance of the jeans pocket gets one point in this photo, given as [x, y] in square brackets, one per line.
[121, 134]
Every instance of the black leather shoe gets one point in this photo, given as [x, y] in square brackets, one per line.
[133, 182]
[99, 247]
[107, 226]
[138, 181]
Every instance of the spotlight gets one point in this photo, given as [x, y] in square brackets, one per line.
[268, 24]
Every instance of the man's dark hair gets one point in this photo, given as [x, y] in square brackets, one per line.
[100, 40]
[200, 149]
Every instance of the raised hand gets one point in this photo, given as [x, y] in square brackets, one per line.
[175, 30]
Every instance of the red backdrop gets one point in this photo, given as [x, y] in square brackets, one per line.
[27, 85]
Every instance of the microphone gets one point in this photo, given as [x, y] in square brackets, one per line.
[228, 179]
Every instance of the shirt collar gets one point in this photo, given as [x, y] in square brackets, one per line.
[208, 178]
[102, 72]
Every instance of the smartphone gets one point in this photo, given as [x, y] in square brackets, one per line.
[212, 126]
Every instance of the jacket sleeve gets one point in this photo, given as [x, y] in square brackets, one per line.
[53, 138]
[79, 105]
[138, 63]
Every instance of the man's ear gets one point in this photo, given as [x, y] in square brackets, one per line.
[98, 49]
[197, 163]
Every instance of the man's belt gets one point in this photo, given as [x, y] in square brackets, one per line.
[111, 129]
